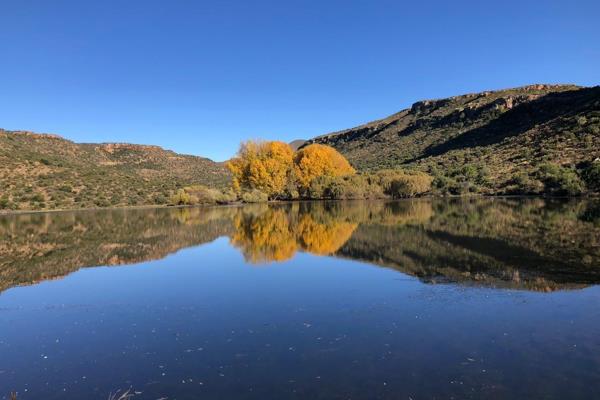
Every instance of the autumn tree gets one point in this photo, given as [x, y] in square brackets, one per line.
[264, 166]
[317, 160]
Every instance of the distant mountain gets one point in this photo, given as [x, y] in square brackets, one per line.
[493, 135]
[42, 171]
[296, 144]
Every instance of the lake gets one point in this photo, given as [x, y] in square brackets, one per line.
[426, 299]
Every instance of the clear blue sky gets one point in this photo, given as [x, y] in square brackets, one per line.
[200, 76]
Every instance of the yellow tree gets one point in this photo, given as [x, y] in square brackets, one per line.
[317, 160]
[265, 166]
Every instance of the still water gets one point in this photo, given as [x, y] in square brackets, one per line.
[427, 299]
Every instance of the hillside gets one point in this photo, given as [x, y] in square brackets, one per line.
[530, 139]
[41, 171]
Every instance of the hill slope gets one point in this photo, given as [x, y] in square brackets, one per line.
[40, 171]
[489, 137]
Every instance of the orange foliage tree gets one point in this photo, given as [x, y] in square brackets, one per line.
[274, 169]
[265, 166]
[318, 160]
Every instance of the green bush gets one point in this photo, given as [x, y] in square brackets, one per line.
[38, 197]
[160, 199]
[591, 176]
[560, 180]
[4, 202]
[182, 198]
[410, 185]
[199, 194]
[522, 183]
[254, 196]
[382, 184]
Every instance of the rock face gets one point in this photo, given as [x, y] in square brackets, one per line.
[496, 129]
[296, 144]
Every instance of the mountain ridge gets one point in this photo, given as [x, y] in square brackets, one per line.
[501, 132]
[47, 171]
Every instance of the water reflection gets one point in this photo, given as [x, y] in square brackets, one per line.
[267, 234]
[532, 244]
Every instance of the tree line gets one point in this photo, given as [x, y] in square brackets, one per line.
[272, 170]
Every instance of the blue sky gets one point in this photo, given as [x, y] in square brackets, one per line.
[198, 77]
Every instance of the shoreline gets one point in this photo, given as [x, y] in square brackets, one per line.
[239, 203]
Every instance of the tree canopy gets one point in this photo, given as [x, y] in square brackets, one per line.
[318, 160]
[274, 169]
[265, 166]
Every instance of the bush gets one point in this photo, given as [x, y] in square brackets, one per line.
[226, 197]
[400, 184]
[4, 202]
[39, 197]
[202, 195]
[102, 202]
[181, 198]
[522, 183]
[591, 176]
[383, 184]
[410, 185]
[254, 196]
[199, 194]
[560, 180]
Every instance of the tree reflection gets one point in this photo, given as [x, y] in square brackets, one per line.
[276, 234]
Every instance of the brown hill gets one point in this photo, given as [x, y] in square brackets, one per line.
[42, 171]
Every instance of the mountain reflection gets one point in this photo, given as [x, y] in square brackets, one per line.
[531, 244]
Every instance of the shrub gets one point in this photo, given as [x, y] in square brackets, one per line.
[410, 185]
[560, 180]
[39, 197]
[399, 184]
[591, 176]
[202, 194]
[226, 197]
[254, 196]
[181, 198]
[522, 183]
[102, 202]
[4, 202]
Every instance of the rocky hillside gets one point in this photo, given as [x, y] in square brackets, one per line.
[41, 171]
[530, 139]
